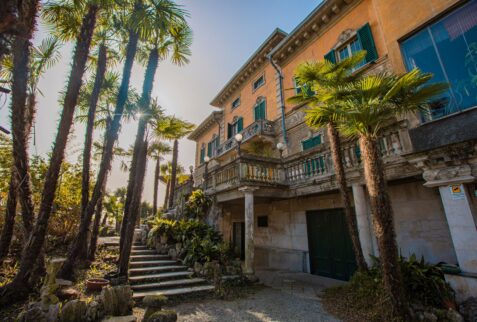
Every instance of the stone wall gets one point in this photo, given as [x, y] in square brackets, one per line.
[420, 224]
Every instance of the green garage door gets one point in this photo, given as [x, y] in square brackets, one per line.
[331, 252]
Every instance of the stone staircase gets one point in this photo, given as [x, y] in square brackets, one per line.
[154, 274]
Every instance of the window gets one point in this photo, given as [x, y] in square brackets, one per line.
[235, 127]
[348, 50]
[314, 166]
[262, 221]
[202, 154]
[299, 88]
[236, 103]
[448, 50]
[259, 110]
[258, 83]
[212, 146]
[363, 41]
[311, 142]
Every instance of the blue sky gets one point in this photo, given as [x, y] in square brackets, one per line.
[226, 33]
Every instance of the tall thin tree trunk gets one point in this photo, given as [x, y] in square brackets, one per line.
[19, 288]
[156, 186]
[133, 211]
[145, 101]
[175, 151]
[111, 136]
[11, 209]
[383, 222]
[94, 235]
[337, 156]
[166, 197]
[88, 142]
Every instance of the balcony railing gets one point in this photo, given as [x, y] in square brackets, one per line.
[261, 127]
[305, 167]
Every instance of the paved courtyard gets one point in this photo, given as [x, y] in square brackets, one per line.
[268, 304]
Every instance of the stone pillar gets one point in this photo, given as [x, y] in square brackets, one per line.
[363, 221]
[461, 225]
[249, 225]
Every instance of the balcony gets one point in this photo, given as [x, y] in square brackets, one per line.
[305, 172]
[256, 129]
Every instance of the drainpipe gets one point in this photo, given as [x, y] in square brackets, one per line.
[282, 100]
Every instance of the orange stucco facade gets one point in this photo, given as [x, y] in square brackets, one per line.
[390, 21]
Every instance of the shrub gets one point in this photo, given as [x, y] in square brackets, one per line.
[200, 241]
[197, 205]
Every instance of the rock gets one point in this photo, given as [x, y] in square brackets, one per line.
[62, 282]
[95, 311]
[197, 267]
[468, 309]
[153, 304]
[73, 311]
[178, 247]
[155, 301]
[127, 318]
[429, 317]
[172, 253]
[117, 300]
[454, 316]
[162, 316]
[68, 293]
[32, 313]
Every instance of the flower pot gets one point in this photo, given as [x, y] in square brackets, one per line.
[96, 284]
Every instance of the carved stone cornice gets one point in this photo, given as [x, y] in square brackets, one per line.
[447, 165]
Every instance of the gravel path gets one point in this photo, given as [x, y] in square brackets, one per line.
[267, 304]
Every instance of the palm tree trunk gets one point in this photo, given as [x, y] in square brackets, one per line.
[94, 236]
[336, 154]
[156, 186]
[383, 222]
[19, 288]
[133, 211]
[11, 209]
[166, 197]
[145, 101]
[111, 136]
[175, 151]
[88, 142]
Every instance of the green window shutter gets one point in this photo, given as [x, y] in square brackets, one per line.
[365, 36]
[209, 149]
[240, 125]
[262, 110]
[229, 130]
[331, 57]
[311, 143]
[202, 155]
[256, 114]
[217, 141]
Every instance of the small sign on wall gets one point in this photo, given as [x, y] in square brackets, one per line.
[457, 192]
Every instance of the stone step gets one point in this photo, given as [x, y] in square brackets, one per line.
[143, 252]
[152, 269]
[141, 247]
[163, 262]
[167, 284]
[175, 291]
[141, 258]
[159, 276]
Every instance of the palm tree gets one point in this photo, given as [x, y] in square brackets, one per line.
[165, 177]
[42, 57]
[314, 78]
[364, 107]
[19, 287]
[172, 128]
[138, 25]
[172, 41]
[156, 150]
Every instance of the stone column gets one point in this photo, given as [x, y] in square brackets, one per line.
[461, 225]
[363, 221]
[458, 211]
[249, 225]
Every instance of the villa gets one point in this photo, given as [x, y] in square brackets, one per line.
[271, 177]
